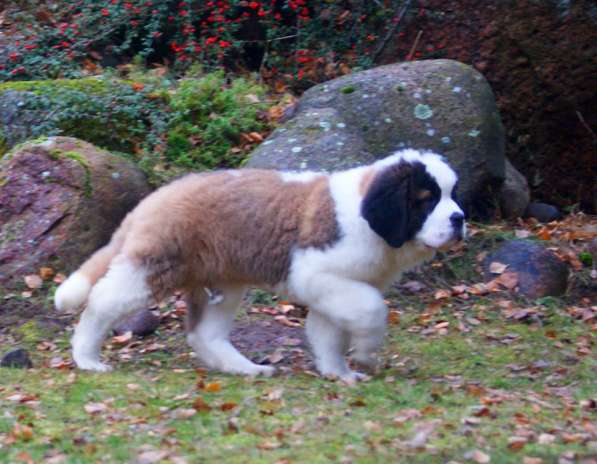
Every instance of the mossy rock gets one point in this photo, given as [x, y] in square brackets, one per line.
[439, 105]
[88, 109]
[60, 199]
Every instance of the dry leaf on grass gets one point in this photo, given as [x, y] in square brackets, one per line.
[497, 268]
[394, 318]
[508, 279]
[422, 433]
[122, 339]
[213, 387]
[33, 281]
[478, 456]
[442, 294]
[227, 406]
[151, 457]
[46, 273]
[200, 405]
[184, 413]
[95, 408]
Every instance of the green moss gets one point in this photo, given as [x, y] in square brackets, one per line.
[79, 158]
[348, 89]
[3, 142]
[20, 146]
[30, 333]
[191, 124]
[106, 112]
[49, 87]
[57, 154]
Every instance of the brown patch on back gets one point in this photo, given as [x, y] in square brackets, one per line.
[366, 181]
[213, 229]
[319, 227]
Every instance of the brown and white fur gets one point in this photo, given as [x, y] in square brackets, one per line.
[331, 241]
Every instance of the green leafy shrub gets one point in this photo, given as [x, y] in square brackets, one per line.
[195, 123]
[208, 119]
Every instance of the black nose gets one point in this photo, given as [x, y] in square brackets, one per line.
[457, 220]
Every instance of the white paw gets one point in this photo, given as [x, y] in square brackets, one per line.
[367, 363]
[352, 377]
[348, 377]
[92, 365]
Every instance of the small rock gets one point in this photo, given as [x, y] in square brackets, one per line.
[540, 273]
[543, 212]
[16, 358]
[141, 323]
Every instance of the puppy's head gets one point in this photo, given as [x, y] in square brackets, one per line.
[411, 197]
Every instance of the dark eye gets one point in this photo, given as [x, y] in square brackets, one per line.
[424, 196]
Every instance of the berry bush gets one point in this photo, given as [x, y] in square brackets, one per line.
[302, 40]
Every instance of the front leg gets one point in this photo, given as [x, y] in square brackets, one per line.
[365, 347]
[329, 344]
[344, 311]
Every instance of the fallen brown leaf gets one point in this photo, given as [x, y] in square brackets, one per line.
[394, 318]
[478, 456]
[422, 433]
[213, 387]
[516, 443]
[508, 279]
[95, 408]
[227, 406]
[33, 281]
[46, 273]
[151, 457]
[497, 268]
[200, 405]
[185, 413]
[268, 445]
[22, 432]
[442, 294]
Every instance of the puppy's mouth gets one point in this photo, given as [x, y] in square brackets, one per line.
[458, 236]
[446, 246]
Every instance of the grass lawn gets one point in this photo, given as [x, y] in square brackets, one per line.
[466, 378]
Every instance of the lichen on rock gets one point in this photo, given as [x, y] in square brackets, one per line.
[364, 116]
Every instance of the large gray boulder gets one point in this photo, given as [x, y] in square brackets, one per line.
[60, 200]
[514, 194]
[439, 105]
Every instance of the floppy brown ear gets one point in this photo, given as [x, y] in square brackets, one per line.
[385, 205]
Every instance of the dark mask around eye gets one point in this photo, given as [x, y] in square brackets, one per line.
[399, 200]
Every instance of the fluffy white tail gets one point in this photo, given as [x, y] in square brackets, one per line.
[73, 292]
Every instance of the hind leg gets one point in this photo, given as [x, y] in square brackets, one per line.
[209, 337]
[120, 292]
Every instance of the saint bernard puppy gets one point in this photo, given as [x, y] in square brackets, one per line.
[333, 242]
